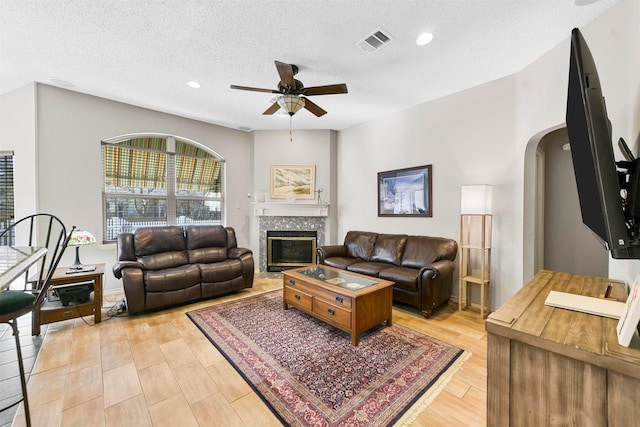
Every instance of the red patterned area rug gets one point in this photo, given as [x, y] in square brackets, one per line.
[308, 372]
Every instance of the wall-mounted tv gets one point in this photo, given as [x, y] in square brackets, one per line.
[607, 190]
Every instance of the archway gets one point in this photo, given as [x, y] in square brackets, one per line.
[554, 236]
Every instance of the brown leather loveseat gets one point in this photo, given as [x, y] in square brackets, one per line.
[170, 265]
[421, 266]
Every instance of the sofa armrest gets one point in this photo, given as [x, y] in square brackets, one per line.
[435, 282]
[441, 268]
[325, 252]
[246, 258]
[119, 266]
[133, 284]
[237, 252]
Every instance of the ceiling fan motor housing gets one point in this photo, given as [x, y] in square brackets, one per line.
[286, 89]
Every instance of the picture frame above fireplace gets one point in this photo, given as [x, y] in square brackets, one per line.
[405, 192]
[293, 181]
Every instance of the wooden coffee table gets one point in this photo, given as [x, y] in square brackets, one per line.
[351, 302]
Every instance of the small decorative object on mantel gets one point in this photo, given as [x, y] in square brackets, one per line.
[405, 192]
[293, 180]
[320, 201]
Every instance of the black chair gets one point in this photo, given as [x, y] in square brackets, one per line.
[42, 230]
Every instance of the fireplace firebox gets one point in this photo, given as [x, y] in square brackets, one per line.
[290, 249]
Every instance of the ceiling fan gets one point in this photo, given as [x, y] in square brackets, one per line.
[293, 94]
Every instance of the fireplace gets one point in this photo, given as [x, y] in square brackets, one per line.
[290, 249]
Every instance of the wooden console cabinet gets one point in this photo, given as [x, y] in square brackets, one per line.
[551, 366]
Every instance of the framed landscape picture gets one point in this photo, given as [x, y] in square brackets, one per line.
[405, 192]
[296, 181]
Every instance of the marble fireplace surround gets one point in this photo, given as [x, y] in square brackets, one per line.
[288, 217]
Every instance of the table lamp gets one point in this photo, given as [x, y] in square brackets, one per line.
[80, 238]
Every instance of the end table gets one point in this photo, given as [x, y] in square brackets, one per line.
[54, 311]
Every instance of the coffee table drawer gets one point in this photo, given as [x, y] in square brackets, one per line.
[332, 313]
[334, 297]
[298, 298]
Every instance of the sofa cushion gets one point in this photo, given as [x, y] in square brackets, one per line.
[369, 268]
[164, 260]
[388, 248]
[420, 251]
[360, 244]
[403, 277]
[153, 240]
[220, 271]
[340, 262]
[171, 279]
[206, 243]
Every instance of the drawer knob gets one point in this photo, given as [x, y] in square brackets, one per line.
[339, 299]
[331, 311]
[297, 297]
[292, 282]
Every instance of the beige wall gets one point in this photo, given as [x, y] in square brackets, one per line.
[18, 133]
[315, 147]
[69, 127]
[480, 136]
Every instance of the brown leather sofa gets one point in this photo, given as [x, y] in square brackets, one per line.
[170, 265]
[421, 266]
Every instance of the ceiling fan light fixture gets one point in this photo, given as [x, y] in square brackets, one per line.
[291, 103]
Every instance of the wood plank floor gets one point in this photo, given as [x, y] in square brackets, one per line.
[160, 370]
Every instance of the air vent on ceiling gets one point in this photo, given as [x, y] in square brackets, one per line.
[375, 41]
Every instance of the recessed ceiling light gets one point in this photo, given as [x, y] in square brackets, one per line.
[194, 84]
[424, 38]
[583, 2]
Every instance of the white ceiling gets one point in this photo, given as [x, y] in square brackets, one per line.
[143, 52]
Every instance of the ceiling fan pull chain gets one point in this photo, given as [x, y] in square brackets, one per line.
[290, 130]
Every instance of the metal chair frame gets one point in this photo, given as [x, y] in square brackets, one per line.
[56, 246]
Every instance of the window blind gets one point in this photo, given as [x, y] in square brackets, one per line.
[158, 180]
[6, 190]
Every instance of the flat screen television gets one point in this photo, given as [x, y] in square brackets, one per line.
[607, 190]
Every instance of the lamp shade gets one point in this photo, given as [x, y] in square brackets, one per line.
[81, 238]
[476, 200]
[291, 103]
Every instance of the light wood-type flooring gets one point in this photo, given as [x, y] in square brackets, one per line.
[158, 369]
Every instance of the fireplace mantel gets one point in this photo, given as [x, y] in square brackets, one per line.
[290, 209]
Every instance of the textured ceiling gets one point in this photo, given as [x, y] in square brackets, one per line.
[143, 52]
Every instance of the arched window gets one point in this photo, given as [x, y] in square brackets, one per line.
[152, 180]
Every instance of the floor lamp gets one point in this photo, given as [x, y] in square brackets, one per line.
[475, 245]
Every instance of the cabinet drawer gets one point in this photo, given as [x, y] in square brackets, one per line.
[332, 313]
[334, 297]
[296, 297]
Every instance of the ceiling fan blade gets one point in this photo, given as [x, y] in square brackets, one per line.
[274, 107]
[313, 108]
[254, 89]
[326, 90]
[286, 74]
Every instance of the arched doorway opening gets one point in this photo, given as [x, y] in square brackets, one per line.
[554, 236]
